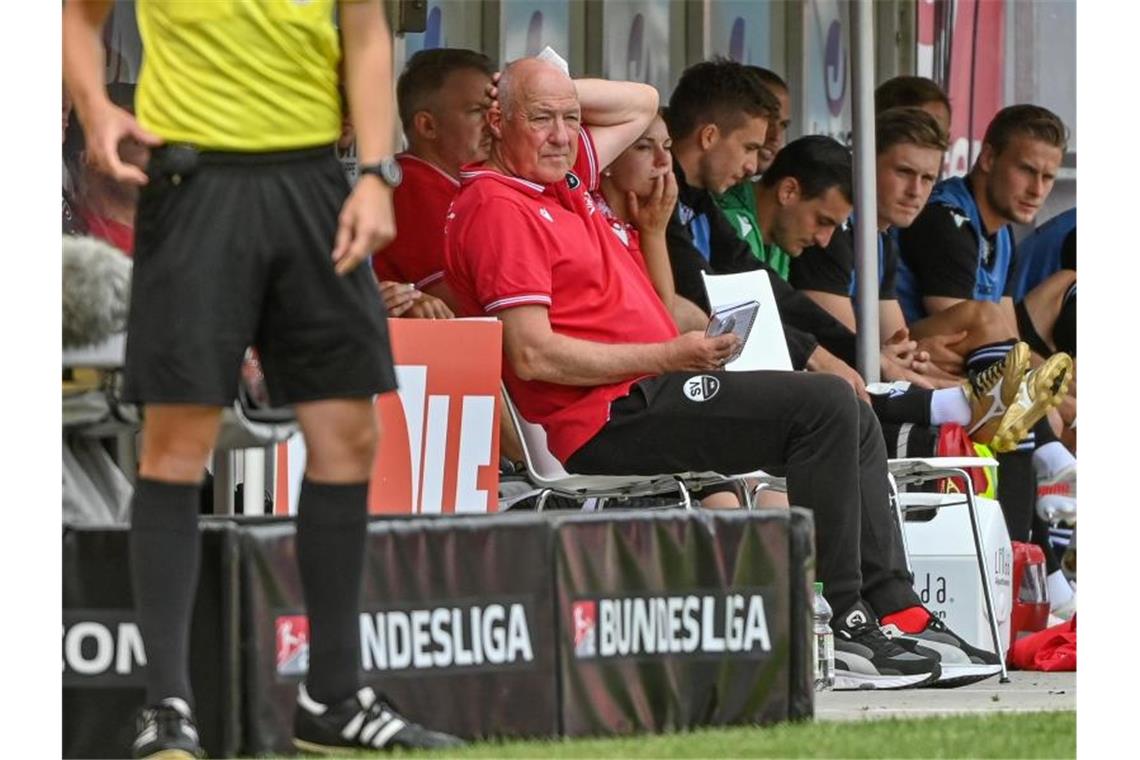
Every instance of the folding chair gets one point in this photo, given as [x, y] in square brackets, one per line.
[548, 475]
[770, 352]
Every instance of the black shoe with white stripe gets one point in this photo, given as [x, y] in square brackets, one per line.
[866, 659]
[166, 731]
[361, 722]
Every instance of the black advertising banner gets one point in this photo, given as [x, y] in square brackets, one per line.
[801, 572]
[103, 654]
[669, 620]
[456, 625]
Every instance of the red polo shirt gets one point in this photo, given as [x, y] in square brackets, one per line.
[420, 203]
[511, 242]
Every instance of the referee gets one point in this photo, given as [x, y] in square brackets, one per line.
[248, 234]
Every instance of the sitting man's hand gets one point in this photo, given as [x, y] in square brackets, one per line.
[944, 352]
[399, 297]
[429, 307]
[822, 360]
[695, 351]
[893, 370]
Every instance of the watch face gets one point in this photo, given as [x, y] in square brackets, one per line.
[392, 172]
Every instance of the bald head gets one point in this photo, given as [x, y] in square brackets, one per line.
[535, 128]
[528, 79]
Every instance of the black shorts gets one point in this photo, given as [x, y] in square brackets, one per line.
[234, 250]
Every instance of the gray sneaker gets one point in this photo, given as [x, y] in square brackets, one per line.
[866, 659]
[961, 663]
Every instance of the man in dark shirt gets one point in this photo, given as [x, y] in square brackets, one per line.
[961, 246]
[960, 250]
[909, 143]
[718, 117]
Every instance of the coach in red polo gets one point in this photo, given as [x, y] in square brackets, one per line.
[593, 356]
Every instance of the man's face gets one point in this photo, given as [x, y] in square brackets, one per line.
[1019, 179]
[729, 158]
[801, 223]
[641, 163]
[539, 137]
[460, 111]
[777, 131]
[905, 174]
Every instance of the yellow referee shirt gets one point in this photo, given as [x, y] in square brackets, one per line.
[243, 75]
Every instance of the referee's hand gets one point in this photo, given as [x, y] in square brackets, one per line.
[366, 224]
[108, 126]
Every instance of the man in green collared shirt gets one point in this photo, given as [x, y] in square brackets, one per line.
[739, 202]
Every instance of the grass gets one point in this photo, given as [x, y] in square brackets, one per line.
[1000, 735]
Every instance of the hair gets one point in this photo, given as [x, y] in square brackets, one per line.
[911, 126]
[426, 73]
[1029, 121]
[720, 92]
[908, 91]
[769, 78]
[817, 163]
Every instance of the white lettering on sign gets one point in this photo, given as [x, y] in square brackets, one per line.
[688, 624]
[445, 637]
[427, 423]
[122, 650]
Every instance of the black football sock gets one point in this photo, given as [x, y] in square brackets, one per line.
[983, 356]
[164, 551]
[331, 529]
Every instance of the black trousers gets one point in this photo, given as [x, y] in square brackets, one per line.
[808, 427]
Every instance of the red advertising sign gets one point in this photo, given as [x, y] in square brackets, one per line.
[973, 31]
[439, 442]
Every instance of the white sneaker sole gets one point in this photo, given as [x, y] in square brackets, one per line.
[848, 681]
[960, 675]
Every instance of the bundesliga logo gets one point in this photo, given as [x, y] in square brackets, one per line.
[663, 625]
[585, 628]
[420, 639]
[292, 645]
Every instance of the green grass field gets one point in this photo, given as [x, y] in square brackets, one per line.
[1008, 735]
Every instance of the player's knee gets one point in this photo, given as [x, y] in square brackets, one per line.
[344, 454]
[832, 395]
[988, 322]
[174, 461]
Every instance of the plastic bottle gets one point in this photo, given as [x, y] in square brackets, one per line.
[823, 642]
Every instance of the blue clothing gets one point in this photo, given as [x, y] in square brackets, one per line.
[1039, 255]
[994, 259]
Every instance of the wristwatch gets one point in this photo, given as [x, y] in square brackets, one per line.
[387, 169]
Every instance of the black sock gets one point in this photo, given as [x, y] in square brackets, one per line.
[983, 356]
[1065, 328]
[1017, 492]
[164, 552]
[331, 529]
[913, 406]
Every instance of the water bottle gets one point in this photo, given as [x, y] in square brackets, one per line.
[822, 642]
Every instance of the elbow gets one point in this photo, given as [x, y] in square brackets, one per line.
[526, 363]
[647, 100]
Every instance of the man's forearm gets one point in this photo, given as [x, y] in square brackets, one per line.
[368, 78]
[570, 361]
[688, 316]
[83, 60]
[606, 104]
